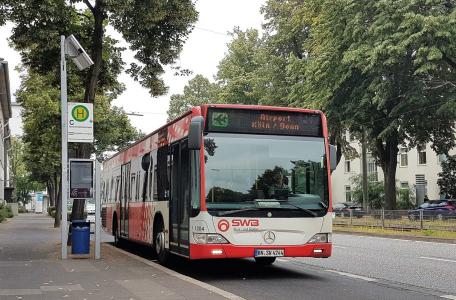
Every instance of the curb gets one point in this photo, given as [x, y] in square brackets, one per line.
[188, 279]
[401, 237]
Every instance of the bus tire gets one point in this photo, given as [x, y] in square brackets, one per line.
[265, 261]
[159, 243]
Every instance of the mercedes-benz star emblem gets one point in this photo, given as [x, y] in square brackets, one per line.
[269, 237]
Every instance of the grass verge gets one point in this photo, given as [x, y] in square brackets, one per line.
[451, 235]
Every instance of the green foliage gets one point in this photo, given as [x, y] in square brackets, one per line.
[376, 191]
[42, 130]
[155, 30]
[384, 68]
[5, 212]
[199, 90]
[447, 178]
[21, 178]
[404, 197]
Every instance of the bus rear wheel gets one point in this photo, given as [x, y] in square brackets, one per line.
[265, 261]
[159, 244]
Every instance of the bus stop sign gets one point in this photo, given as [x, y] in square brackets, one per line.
[80, 122]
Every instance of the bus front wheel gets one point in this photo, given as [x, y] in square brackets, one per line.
[159, 244]
[265, 261]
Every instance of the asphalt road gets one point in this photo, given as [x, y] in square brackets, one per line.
[360, 268]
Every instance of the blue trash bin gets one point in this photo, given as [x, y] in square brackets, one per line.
[80, 237]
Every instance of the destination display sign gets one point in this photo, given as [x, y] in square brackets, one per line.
[263, 122]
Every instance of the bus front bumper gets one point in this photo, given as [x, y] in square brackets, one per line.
[210, 251]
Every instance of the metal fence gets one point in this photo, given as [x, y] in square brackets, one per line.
[398, 219]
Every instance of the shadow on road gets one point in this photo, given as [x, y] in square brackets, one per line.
[223, 269]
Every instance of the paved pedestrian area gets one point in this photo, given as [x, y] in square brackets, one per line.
[30, 268]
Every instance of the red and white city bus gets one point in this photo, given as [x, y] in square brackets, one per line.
[226, 181]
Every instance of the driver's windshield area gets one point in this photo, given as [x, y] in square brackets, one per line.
[245, 171]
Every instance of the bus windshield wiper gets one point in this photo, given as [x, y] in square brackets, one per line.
[308, 211]
[230, 212]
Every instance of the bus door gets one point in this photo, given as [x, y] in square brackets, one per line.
[124, 199]
[179, 205]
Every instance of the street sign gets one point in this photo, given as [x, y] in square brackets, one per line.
[80, 122]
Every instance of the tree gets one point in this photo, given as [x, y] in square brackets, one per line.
[383, 68]
[199, 90]
[21, 179]
[447, 178]
[236, 71]
[155, 30]
[42, 135]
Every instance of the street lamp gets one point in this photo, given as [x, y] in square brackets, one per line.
[71, 47]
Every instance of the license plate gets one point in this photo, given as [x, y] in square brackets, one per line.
[269, 253]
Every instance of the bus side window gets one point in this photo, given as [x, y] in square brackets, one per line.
[153, 195]
[111, 196]
[132, 188]
[117, 195]
[162, 174]
[155, 187]
[138, 186]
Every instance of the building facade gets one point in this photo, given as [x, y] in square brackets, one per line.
[5, 143]
[419, 166]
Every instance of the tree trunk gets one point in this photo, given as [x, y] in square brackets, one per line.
[97, 51]
[84, 150]
[50, 190]
[58, 206]
[388, 161]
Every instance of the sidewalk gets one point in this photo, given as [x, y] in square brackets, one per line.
[30, 268]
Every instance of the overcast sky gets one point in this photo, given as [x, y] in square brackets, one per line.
[204, 48]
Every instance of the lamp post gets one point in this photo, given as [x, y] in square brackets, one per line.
[71, 47]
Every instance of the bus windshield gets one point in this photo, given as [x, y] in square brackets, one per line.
[251, 172]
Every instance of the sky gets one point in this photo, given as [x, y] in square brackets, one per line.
[203, 50]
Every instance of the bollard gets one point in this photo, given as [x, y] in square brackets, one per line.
[421, 220]
[351, 218]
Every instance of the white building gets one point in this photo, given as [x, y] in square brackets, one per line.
[5, 144]
[15, 122]
[416, 166]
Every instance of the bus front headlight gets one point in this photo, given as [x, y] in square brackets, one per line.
[209, 238]
[321, 238]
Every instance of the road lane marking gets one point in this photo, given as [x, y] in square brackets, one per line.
[282, 260]
[61, 288]
[201, 284]
[20, 292]
[341, 247]
[436, 243]
[353, 276]
[439, 259]
[453, 297]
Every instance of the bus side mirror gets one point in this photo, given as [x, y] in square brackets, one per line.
[332, 157]
[194, 133]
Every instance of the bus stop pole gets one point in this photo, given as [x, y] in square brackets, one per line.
[64, 179]
[97, 210]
